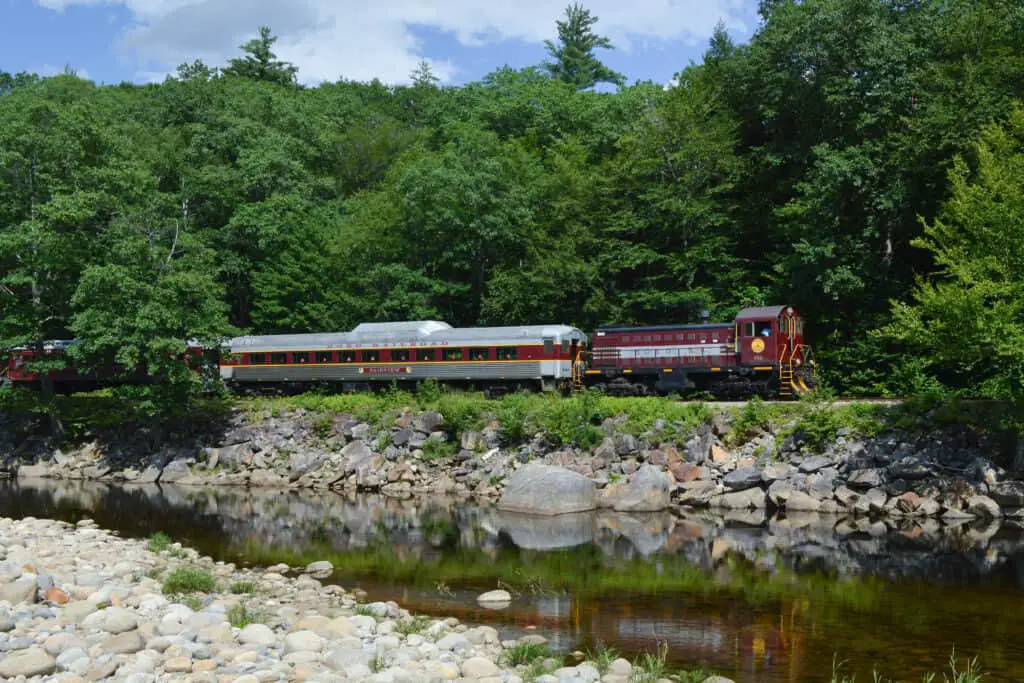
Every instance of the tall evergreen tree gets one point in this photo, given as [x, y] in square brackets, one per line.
[423, 75]
[573, 59]
[260, 63]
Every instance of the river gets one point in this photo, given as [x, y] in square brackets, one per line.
[749, 597]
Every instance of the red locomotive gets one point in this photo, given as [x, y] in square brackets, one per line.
[761, 352]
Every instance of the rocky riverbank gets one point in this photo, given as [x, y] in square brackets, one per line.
[728, 461]
[80, 604]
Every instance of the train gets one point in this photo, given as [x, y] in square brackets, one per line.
[762, 351]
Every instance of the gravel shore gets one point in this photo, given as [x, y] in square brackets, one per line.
[78, 603]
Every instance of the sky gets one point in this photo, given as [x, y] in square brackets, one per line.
[111, 41]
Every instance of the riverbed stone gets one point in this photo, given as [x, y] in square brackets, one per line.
[495, 598]
[257, 634]
[126, 643]
[648, 490]
[983, 506]
[31, 662]
[742, 478]
[303, 641]
[21, 591]
[112, 620]
[547, 490]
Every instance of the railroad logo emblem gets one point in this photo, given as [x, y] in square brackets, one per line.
[757, 346]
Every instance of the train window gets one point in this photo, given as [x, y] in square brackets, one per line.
[278, 359]
[657, 337]
[347, 356]
[424, 355]
[325, 357]
[507, 353]
[549, 346]
[401, 355]
[748, 329]
[301, 357]
[565, 346]
[479, 354]
[451, 354]
[764, 329]
[371, 356]
[257, 358]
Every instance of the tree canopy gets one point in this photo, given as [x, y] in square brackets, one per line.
[859, 159]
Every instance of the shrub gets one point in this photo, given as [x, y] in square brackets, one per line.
[526, 653]
[189, 580]
[158, 542]
[244, 587]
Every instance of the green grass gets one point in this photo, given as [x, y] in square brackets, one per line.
[186, 580]
[602, 657]
[412, 625]
[526, 653]
[158, 542]
[190, 600]
[243, 587]
[241, 616]
[650, 667]
[971, 674]
[365, 611]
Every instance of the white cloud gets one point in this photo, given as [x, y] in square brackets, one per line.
[360, 39]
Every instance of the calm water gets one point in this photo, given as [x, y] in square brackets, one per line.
[751, 598]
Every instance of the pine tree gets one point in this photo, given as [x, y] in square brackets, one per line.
[573, 59]
[260, 63]
[423, 75]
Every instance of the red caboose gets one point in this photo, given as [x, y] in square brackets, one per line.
[761, 352]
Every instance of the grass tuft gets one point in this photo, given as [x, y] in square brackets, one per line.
[241, 616]
[526, 653]
[158, 542]
[189, 580]
[412, 625]
[244, 587]
[602, 657]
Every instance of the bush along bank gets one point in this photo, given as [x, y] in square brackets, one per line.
[625, 454]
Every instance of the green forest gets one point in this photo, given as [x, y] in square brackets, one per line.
[862, 160]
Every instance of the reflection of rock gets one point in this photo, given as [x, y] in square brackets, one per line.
[648, 532]
[546, 490]
[548, 532]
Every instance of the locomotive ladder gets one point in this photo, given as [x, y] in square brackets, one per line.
[578, 370]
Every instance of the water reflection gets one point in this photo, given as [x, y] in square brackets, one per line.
[753, 598]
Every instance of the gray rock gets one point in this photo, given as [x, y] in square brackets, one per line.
[777, 471]
[780, 491]
[455, 642]
[605, 453]
[742, 478]
[401, 437]
[321, 569]
[30, 662]
[814, 463]
[1008, 493]
[303, 641]
[547, 490]
[39, 471]
[865, 479]
[649, 490]
[872, 502]
[698, 493]
[150, 475]
[175, 471]
[983, 506]
[800, 501]
[21, 591]
[698, 449]
[361, 431]
[625, 444]
[752, 498]
[301, 464]
[429, 422]
[257, 634]
[126, 643]
[112, 620]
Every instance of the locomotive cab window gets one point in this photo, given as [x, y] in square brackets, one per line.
[401, 355]
[748, 329]
[425, 355]
[451, 354]
[347, 356]
[479, 354]
[764, 329]
[301, 357]
[257, 358]
[507, 353]
[324, 357]
[371, 356]
[278, 358]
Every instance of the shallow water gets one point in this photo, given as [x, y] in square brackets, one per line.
[751, 598]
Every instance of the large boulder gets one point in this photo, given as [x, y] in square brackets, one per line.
[547, 490]
[742, 478]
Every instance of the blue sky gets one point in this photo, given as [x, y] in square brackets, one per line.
[143, 40]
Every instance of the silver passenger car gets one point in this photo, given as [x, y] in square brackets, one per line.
[540, 355]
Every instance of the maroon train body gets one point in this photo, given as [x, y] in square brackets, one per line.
[761, 352]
